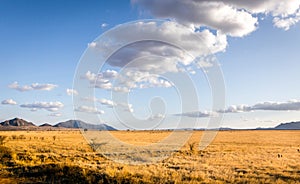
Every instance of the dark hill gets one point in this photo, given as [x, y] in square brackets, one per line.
[45, 125]
[17, 122]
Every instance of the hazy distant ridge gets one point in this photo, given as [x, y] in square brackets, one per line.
[17, 123]
[288, 126]
[81, 124]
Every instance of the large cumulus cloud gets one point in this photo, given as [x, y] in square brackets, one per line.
[232, 17]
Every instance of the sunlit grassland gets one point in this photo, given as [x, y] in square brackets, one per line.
[234, 156]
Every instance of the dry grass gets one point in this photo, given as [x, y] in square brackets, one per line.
[233, 157]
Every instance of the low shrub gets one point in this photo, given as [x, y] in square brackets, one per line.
[6, 156]
[2, 139]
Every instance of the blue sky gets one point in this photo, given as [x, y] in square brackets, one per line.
[42, 43]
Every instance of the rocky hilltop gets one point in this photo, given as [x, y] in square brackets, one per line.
[17, 122]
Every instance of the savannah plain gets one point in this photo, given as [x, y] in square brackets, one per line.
[262, 156]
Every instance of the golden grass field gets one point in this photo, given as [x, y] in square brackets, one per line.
[263, 156]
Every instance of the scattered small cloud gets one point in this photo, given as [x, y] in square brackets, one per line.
[56, 114]
[16, 86]
[126, 107]
[101, 80]
[196, 114]
[49, 106]
[71, 92]
[104, 25]
[88, 109]
[109, 103]
[286, 23]
[92, 45]
[34, 86]
[46, 87]
[103, 84]
[157, 117]
[108, 74]
[121, 89]
[90, 99]
[291, 105]
[9, 102]
[237, 108]
[125, 81]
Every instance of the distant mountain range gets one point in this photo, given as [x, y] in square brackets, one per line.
[20, 124]
[288, 126]
[284, 126]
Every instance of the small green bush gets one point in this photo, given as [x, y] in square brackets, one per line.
[6, 156]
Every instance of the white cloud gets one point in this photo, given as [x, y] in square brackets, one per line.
[109, 74]
[56, 114]
[126, 80]
[9, 102]
[208, 21]
[90, 99]
[196, 114]
[286, 23]
[107, 103]
[92, 44]
[285, 13]
[157, 117]
[49, 106]
[46, 87]
[154, 82]
[103, 84]
[90, 76]
[16, 86]
[103, 25]
[291, 105]
[205, 62]
[232, 17]
[33, 109]
[143, 62]
[237, 108]
[214, 14]
[121, 89]
[160, 57]
[101, 80]
[274, 7]
[126, 107]
[34, 86]
[88, 109]
[139, 79]
[71, 92]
